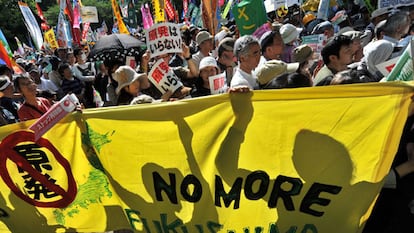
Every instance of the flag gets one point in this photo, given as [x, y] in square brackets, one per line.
[119, 22]
[5, 44]
[64, 37]
[44, 25]
[146, 17]
[208, 14]
[185, 11]
[76, 24]
[249, 15]
[289, 160]
[31, 25]
[169, 9]
[50, 39]
[403, 68]
[227, 9]
[158, 11]
[132, 16]
[4, 56]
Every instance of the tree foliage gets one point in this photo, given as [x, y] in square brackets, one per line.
[11, 22]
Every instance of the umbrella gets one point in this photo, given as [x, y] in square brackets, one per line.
[116, 46]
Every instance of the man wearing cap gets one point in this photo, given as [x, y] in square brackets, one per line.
[325, 28]
[290, 35]
[225, 59]
[205, 44]
[272, 46]
[376, 16]
[272, 69]
[247, 51]
[397, 26]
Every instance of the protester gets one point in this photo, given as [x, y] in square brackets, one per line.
[337, 55]
[272, 70]
[33, 107]
[376, 16]
[395, 28]
[205, 44]
[6, 89]
[303, 54]
[130, 84]
[208, 67]
[247, 50]
[85, 72]
[290, 36]
[70, 83]
[226, 59]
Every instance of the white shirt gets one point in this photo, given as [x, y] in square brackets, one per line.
[241, 78]
[47, 85]
[197, 58]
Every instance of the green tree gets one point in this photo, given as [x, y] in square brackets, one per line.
[12, 24]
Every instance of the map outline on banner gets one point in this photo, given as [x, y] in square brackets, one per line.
[194, 170]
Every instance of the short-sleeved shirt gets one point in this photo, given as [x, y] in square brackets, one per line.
[241, 78]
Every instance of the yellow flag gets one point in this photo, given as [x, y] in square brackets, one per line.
[51, 39]
[159, 10]
[289, 160]
[121, 25]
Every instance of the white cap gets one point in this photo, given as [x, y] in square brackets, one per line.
[289, 33]
[206, 62]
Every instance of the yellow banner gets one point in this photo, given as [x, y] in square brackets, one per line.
[51, 39]
[287, 160]
[121, 25]
[159, 11]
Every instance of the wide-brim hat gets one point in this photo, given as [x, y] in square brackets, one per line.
[125, 75]
[273, 68]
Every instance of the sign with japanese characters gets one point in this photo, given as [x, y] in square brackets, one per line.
[162, 76]
[59, 110]
[218, 84]
[271, 161]
[163, 38]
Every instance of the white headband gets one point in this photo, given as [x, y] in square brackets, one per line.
[2, 88]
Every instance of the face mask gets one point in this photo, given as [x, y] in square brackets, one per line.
[83, 57]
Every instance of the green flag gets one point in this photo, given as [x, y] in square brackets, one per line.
[249, 15]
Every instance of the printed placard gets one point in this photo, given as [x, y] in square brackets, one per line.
[218, 84]
[89, 14]
[130, 61]
[58, 111]
[316, 42]
[163, 77]
[163, 38]
[386, 67]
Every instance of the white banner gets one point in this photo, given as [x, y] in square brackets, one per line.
[89, 14]
[163, 77]
[163, 38]
[32, 25]
[393, 3]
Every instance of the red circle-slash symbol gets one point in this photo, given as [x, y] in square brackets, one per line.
[7, 152]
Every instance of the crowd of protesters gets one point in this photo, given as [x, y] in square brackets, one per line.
[356, 42]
